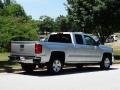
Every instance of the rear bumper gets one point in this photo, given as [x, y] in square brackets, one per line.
[25, 59]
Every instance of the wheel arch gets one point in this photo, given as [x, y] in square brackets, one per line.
[58, 54]
[106, 54]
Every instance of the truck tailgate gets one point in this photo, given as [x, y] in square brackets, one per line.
[23, 48]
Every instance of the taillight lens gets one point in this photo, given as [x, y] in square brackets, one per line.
[38, 48]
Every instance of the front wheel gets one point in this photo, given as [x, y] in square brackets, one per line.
[28, 67]
[105, 64]
[55, 66]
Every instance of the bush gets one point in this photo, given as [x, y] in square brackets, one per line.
[16, 28]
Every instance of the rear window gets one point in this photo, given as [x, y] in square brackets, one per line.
[60, 38]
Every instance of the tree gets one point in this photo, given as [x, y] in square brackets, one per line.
[1, 7]
[15, 10]
[107, 19]
[17, 29]
[99, 16]
[15, 24]
[7, 2]
[81, 13]
[62, 24]
[1, 4]
[46, 24]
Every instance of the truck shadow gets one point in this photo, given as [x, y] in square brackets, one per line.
[6, 66]
[65, 71]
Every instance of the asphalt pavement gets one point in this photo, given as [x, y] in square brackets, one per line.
[88, 78]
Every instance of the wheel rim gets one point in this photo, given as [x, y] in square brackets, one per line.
[57, 66]
[107, 63]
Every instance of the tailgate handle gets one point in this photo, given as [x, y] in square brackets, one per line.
[21, 46]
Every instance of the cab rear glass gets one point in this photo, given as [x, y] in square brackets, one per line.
[60, 38]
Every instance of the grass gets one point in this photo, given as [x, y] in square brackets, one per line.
[116, 48]
[4, 56]
[116, 51]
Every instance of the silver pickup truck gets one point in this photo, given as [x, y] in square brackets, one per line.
[73, 48]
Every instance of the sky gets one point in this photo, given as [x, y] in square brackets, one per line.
[37, 8]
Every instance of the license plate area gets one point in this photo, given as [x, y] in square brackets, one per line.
[29, 60]
[25, 60]
[22, 58]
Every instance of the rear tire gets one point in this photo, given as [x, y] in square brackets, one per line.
[105, 64]
[28, 67]
[55, 66]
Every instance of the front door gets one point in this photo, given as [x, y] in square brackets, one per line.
[93, 52]
[84, 51]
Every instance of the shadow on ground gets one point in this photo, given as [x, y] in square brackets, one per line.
[7, 66]
[44, 73]
[117, 57]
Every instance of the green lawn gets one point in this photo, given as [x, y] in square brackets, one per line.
[116, 47]
[4, 56]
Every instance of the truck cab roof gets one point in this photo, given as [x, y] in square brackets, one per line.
[67, 33]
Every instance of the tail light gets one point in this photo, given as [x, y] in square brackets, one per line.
[38, 48]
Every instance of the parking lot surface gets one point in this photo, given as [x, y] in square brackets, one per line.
[88, 78]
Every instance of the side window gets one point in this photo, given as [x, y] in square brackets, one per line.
[79, 39]
[89, 40]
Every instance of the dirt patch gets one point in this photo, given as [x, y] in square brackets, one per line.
[116, 48]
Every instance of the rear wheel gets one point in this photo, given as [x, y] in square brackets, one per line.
[28, 67]
[105, 64]
[55, 66]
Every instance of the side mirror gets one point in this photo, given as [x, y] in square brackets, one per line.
[44, 40]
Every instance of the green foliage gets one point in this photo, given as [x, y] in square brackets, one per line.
[14, 28]
[15, 24]
[1, 4]
[80, 12]
[15, 10]
[62, 24]
[97, 16]
[7, 2]
[46, 24]
[107, 19]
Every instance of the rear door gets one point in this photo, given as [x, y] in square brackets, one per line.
[77, 52]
